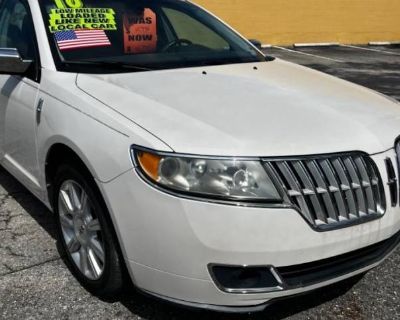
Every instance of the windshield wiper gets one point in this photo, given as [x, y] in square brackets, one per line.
[106, 64]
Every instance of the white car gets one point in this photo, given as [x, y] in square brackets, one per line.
[173, 152]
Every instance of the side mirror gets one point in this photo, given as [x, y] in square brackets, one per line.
[12, 63]
[256, 43]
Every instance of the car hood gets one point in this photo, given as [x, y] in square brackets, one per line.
[263, 109]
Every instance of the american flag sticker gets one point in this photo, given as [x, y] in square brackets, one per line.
[85, 38]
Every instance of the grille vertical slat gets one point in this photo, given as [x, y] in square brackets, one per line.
[347, 187]
[366, 184]
[376, 186]
[392, 181]
[331, 190]
[311, 191]
[273, 173]
[295, 188]
[323, 185]
[334, 180]
[357, 185]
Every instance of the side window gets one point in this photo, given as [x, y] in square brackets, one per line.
[17, 30]
[5, 18]
[187, 28]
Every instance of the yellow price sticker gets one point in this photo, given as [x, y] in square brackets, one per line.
[71, 15]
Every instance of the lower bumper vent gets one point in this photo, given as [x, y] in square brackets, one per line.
[324, 270]
[263, 279]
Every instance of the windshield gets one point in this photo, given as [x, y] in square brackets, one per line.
[139, 35]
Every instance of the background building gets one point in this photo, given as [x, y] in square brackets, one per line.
[310, 21]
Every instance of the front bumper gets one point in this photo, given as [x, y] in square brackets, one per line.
[355, 263]
[169, 242]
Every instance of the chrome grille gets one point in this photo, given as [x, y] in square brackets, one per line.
[331, 191]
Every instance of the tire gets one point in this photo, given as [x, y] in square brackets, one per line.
[87, 240]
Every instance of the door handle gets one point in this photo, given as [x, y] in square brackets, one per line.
[39, 109]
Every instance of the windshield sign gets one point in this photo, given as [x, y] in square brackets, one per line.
[127, 35]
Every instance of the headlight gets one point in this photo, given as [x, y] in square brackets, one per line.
[224, 178]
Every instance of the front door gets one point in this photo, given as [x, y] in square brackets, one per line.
[19, 95]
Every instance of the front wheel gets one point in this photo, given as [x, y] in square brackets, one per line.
[85, 233]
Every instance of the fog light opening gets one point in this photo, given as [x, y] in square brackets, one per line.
[246, 279]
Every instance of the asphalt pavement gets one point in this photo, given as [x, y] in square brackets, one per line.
[35, 284]
[377, 68]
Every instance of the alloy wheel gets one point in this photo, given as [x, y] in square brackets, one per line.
[81, 230]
